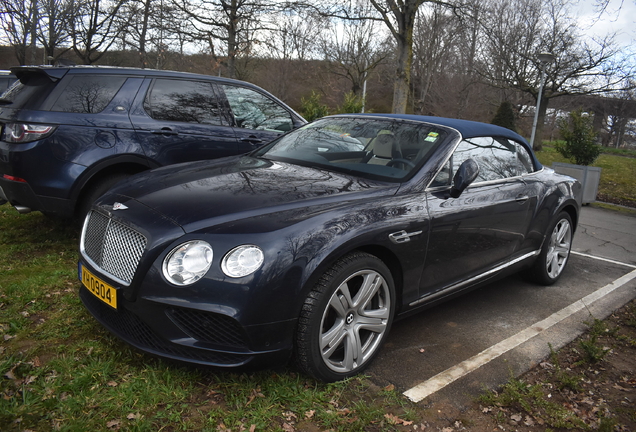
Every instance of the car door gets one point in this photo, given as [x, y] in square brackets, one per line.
[258, 119]
[180, 120]
[487, 224]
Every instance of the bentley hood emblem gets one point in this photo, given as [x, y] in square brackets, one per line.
[119, 206]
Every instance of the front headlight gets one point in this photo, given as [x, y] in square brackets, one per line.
[187, 263]
[242, 261]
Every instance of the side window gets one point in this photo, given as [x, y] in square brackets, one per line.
[524, 161]
[253, 110]
[183, 101]
[88, 94]
[443, 178]
[498, 159]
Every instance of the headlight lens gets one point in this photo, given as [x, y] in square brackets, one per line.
[242, 261]
[187, 263]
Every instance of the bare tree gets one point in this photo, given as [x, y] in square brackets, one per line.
[19, 20]
[518, 30]
[399, 17]
[227, 26]
[52, 32]
[135, 16]
[612, 115]
[92, 27]
[354, 49]
[152, 28]
[290, 42]
[435, 40]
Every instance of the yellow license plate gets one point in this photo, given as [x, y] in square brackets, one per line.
[99, 288]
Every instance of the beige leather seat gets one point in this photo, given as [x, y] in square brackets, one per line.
[383, 148]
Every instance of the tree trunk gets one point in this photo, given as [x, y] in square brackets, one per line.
[232, 40]
[34, 28]
[143, 54]
[402, 82]
[404, 38]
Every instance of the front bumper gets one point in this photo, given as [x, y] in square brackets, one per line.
[191, 335]
[215, 322]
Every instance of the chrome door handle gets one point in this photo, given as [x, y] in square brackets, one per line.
[402, 236]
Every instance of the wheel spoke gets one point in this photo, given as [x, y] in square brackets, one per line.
[345, 298]
[353, 349]
[553, 265]
[370, 285]
[562, 250]
[375, 325]
[563, 232]
[375, 314]
[332, 339]
[338, 304]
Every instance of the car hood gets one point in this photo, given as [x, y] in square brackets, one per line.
[201, 194]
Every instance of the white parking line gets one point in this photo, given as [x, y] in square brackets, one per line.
[602, 259]
[452, 374]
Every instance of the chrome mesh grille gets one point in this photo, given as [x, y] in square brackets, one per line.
[113, 247]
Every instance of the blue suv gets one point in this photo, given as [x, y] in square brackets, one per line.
[70, 133]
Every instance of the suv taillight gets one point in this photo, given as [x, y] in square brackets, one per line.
[24, 132]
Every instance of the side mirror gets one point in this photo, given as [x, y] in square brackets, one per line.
[465, 175]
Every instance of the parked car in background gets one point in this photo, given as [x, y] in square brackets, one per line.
[6, 79]
[69, 133]
[313, 244]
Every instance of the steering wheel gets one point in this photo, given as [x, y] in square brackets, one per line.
[400, 161]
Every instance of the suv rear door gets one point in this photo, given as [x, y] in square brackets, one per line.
[181, 120]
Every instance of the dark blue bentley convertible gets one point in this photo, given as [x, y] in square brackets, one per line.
[312, 245]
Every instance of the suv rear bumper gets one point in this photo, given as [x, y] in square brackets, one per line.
[21, 196]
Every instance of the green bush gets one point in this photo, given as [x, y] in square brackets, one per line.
[505, 116]
[579, 139]
[351, 104]
[312, 108]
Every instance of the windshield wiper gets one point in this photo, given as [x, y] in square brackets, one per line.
[5, 101]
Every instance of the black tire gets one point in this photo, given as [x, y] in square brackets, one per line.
[555, 252]
[352, 305]
[94, 191]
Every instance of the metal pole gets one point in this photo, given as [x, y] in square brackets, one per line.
[536, 112]
[364, 92]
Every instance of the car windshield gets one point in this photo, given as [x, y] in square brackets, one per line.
[384, 149]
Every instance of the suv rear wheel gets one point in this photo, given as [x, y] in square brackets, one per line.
[94, 190]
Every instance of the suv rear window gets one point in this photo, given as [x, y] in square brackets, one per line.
[29, 92]
[88, 94]
[5, 82]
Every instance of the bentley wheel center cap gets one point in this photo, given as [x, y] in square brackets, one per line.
[350, 318]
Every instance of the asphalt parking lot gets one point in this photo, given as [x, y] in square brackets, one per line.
[453, 351]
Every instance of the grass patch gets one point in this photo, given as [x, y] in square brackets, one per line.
[60, 370]
[584, 386]
[532, 399]
[618, 175]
